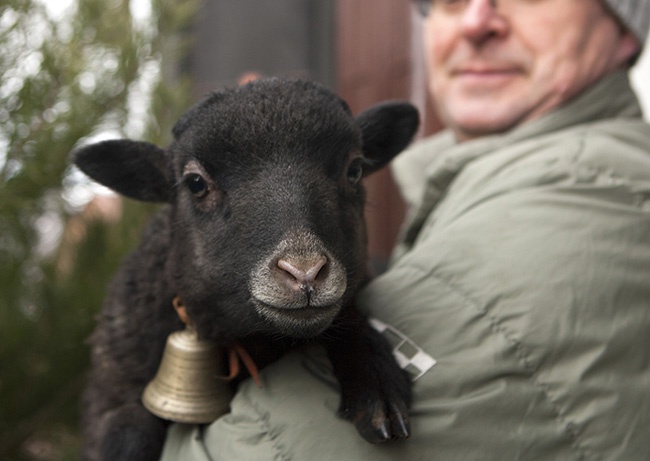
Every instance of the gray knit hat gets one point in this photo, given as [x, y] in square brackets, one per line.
[635, 14]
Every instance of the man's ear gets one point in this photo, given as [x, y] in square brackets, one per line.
[138, 170]
[386, 130]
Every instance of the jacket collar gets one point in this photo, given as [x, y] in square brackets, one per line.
[425, 171]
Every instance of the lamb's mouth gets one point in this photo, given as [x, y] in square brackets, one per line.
[302, 322]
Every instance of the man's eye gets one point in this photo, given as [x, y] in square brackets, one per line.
[424, 6]
[197, 185]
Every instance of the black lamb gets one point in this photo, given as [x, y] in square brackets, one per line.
[263, 238]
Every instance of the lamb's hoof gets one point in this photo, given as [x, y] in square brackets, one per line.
[381, 422]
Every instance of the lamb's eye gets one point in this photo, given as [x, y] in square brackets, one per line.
[197, 185]
[355, 170]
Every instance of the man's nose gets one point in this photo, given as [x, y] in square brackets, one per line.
[482, 19]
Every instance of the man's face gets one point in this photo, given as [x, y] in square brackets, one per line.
[494, 65]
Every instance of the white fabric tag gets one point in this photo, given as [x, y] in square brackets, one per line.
[409, 355]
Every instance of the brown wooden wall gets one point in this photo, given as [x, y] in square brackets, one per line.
[376, 61]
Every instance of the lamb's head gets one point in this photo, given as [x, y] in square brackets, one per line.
[264, 184]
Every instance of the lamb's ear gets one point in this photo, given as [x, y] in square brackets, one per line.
[386, 129]
[135, 169]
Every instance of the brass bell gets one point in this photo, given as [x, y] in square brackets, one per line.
[187, 387]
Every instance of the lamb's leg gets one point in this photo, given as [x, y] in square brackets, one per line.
[130, 432]
[115, 424]
[375, 391]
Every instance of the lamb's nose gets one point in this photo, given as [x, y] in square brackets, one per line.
[303, 274]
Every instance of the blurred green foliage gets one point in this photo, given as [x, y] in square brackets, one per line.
[93, 69]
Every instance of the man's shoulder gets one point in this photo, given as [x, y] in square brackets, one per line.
[616, 145]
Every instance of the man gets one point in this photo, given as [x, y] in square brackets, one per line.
[525, 268]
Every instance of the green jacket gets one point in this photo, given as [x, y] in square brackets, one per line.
[525, 274]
